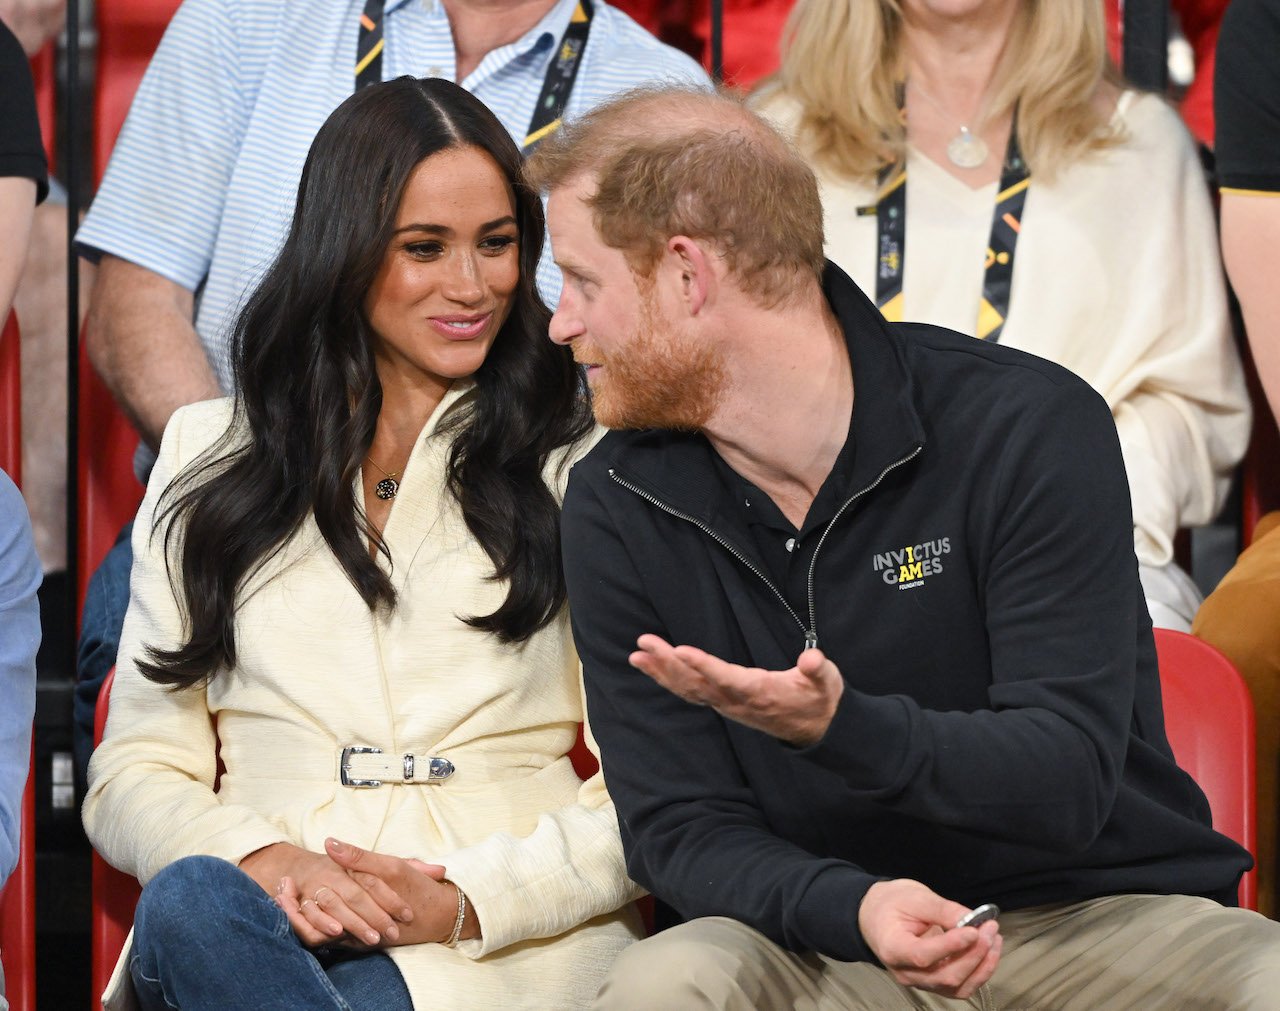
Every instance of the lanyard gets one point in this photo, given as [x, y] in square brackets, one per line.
[556, 87]
[890, 210]
[560, 77]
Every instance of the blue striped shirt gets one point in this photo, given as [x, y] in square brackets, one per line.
[202, 182]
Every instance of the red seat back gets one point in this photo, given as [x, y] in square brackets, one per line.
[115, 894]
[11, 400]
[18, 910]
[128, 33]
[1209, 720]
[18, 897]
[109, 494]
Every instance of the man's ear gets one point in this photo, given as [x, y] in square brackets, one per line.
[698, 281]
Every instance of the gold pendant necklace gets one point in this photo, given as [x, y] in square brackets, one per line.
[388, 486]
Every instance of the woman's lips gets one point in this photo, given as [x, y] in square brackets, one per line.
[461, 328]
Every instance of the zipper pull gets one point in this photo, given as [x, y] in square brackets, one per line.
[811, 639]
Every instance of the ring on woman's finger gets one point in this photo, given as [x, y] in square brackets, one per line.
[303, 904]
[316, 898]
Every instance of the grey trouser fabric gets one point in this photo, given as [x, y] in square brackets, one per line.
[1124, 951]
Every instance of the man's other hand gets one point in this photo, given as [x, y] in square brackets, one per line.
[794, 705]
[912, 930]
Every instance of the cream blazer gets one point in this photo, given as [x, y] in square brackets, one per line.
[1117, 278]
[536, 851]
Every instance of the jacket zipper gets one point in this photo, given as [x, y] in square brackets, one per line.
[811, 630]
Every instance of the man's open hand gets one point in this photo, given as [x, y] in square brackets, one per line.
[793, 705]
[912, 930]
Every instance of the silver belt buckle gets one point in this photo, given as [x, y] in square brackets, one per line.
[437, 769]
[344, 768]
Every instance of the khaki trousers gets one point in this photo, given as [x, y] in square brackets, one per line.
[1146, 952]
[1242, 619]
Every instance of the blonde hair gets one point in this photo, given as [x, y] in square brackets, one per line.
[844, 61]
[681, 161]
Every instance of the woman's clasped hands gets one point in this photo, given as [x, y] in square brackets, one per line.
[356, 898]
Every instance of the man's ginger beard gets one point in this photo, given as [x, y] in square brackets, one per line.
[659, 379]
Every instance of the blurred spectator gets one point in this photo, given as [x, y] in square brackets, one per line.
[199, 191]
[1242, 616]
[1097, 193]
[23, 182]
[41, 302]
[22, 186]
[19, 637]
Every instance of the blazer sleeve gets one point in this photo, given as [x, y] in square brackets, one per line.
[571, 867]
[151, 799]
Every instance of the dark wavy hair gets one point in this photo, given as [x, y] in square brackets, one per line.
[308, 394]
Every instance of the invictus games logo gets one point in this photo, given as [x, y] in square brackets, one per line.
[909, 567]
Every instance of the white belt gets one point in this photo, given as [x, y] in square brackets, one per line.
[367, 768]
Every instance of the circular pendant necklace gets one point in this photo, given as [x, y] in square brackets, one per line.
[388, 486]
[966, 149]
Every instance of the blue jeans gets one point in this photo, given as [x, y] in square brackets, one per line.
[206, 936]
[105, 601]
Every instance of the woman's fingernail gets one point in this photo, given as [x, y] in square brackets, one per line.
[393, 933]
[336, 846]
[333, 927]
[406, 915]
[371, 937]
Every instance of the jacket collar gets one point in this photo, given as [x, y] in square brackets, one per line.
[677, 467]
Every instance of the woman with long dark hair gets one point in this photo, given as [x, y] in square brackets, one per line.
[337, 746]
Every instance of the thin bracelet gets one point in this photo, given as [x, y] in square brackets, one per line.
[457, 923]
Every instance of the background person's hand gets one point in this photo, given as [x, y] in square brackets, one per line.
[433, 900]
[327, 903]
[794, 705]
[912, 931]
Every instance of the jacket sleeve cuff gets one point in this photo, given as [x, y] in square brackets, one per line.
[826, 917]
[860, 718]
[570, 870]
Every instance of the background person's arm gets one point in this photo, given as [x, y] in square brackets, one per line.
[34, 22]
[17, 210]
[141, 340]
[1250, 245]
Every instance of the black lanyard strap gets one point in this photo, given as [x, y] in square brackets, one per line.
[556, 87]
[369, 44]
[890, 210]
[563, 71]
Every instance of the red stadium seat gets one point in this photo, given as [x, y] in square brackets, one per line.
[109, 494]
[128, 33]
[115, 894]
[1209, 720]
[11, 400]
[18, 897]
[18, 911]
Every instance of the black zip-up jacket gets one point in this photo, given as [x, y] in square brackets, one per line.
[1000, 737]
